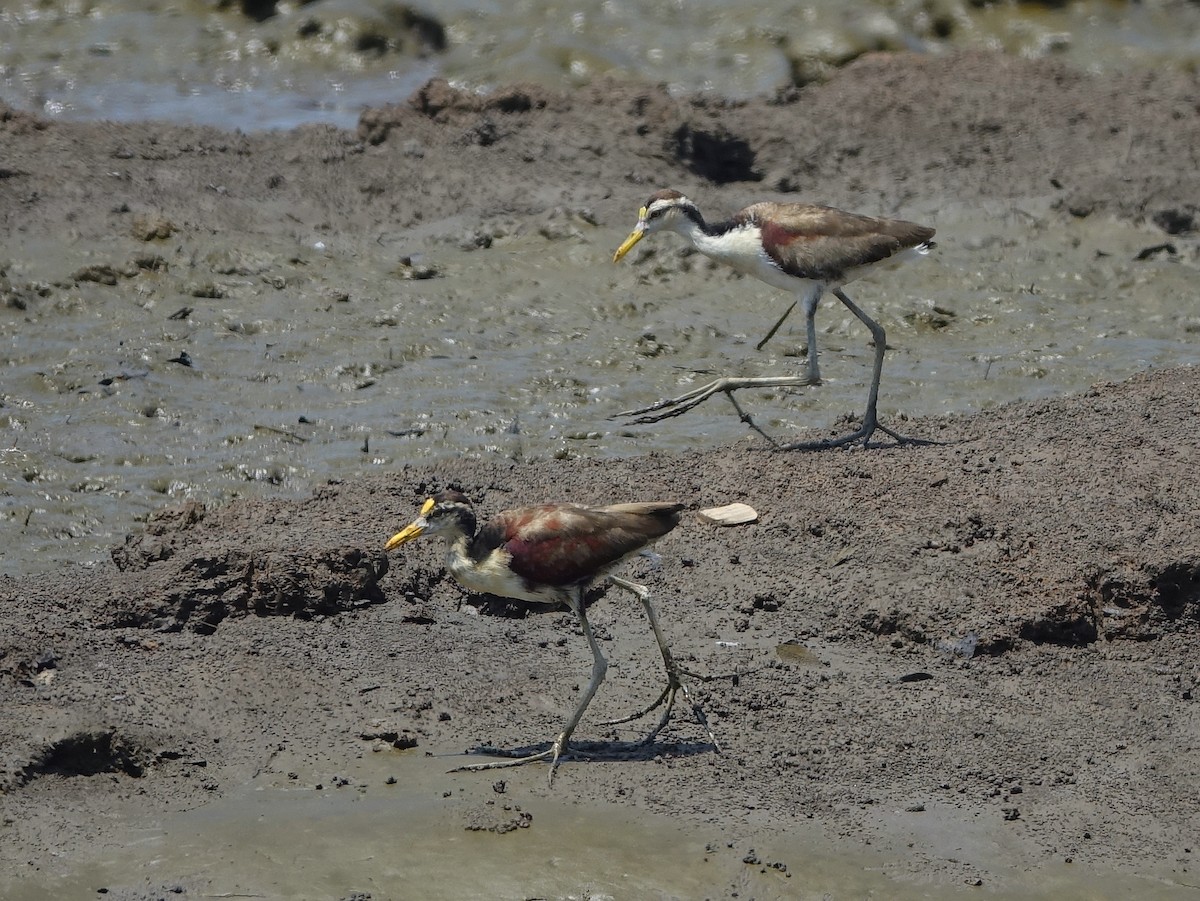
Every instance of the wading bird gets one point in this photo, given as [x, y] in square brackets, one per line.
[552, 554]
[802, 248]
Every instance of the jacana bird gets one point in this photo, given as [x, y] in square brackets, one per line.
[803, 248]
[552, 554]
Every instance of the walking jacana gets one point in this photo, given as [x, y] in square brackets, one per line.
[551, 554]
[802, 248]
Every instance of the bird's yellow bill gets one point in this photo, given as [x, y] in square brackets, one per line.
[415, 529]
[405, 535]
[634, 236]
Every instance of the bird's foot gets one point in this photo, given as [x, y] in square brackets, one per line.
[517, 758]
[675, 684]
[668, 696]
[863, 435]
[677, 406]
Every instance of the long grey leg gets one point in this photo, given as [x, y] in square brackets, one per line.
[811, 300]
[599, 668]
[870, 418]
[675, 672]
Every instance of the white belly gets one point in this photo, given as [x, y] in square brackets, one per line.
[493, 576]
[742, 251]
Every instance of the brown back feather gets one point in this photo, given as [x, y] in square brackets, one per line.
[820, 242]
[563, 544]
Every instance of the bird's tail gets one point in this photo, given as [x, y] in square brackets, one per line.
[651, 508]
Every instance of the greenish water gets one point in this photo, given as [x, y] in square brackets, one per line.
[410, 839]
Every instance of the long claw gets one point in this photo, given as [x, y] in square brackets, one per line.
[554, 752]
[668, 692]
[675, 672]
[775, 328]
[677, 406]
[864, 434]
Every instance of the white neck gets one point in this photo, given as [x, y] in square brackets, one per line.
[695, 235]
[740, 248]
[484, 577]
[457, 558]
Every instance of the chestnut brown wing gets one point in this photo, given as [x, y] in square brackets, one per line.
[823, 243]
[562, 544]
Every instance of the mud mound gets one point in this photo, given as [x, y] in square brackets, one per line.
[196, 581]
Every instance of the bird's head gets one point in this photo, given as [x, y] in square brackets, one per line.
[448, 513]
[665, 209]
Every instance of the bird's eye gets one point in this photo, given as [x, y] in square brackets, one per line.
[655, 214]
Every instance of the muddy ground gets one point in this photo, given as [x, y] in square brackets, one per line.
[995, 682]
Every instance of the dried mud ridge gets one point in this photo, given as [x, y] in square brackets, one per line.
[204, 583]
[198, 579]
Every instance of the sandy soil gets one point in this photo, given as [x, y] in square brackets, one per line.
[997, 665]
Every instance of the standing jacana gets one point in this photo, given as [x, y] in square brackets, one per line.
[803, 248]
[552, 554]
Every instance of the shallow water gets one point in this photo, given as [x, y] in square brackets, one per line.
[348, 369]
[278, 839]
[324, 61]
